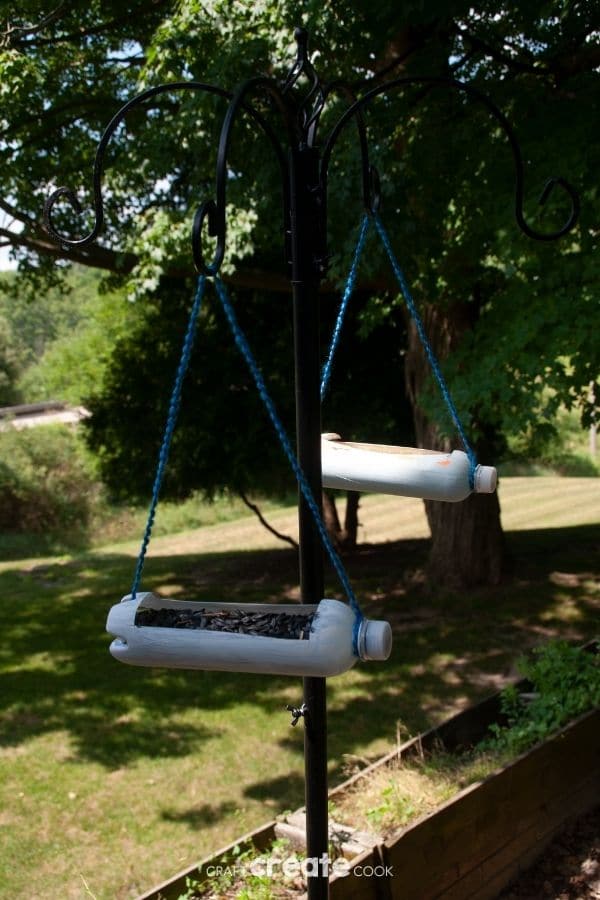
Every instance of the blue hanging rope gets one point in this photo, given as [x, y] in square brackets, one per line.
[174, 405]
[244, 348]
[350, 282]
[428, 349]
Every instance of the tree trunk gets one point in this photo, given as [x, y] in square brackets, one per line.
[331, 518]
[343, 538]
[467, 547]
[351, 520]
[467, 542]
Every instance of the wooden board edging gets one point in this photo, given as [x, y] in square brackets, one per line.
[171, 889]
[474, 844]
[464, 728]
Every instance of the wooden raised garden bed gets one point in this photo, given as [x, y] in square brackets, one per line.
[471, 847]
[474, 844]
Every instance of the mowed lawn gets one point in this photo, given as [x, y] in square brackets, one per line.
[113, 778]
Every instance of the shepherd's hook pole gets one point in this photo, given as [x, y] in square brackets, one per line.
[304, 174]
[305, 229]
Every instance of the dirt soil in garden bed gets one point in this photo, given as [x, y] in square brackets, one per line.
[569, 868]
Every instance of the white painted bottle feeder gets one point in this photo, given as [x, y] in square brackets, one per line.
[404, 471]
[327, 651]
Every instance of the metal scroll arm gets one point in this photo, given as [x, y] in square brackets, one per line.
[371, 189]
[214, 211]
[65, 193]
[475, 94]
[300, 119]
[216, 226]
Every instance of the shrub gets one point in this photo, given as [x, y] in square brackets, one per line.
[560, 446]
[46, 482]
[565, 682]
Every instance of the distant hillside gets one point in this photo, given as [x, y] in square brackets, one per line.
[53, 344]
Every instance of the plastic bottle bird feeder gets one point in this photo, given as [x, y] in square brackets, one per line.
[311, 640]
[405, 471]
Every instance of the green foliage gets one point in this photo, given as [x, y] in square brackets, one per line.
[247, 874]
[223, 439]
[56, 344]
[565, 683]
[558, 445]
[191, 889]
[74, 363]
[229, 873]
[45, 481]
[395, 806]
[39, 320]
[9, 365]
[518, 315]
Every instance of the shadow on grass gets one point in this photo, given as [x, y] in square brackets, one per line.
[201, 816]
[449, 649]
[38, 545]
[279, 793]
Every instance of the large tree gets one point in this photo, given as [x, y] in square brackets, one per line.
[512, 318]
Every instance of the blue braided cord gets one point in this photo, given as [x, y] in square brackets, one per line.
[244, 348]
[428, 349]
[174, 404]
[350, 282]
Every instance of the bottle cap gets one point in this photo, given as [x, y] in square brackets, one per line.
[486, 478]
[374, 639]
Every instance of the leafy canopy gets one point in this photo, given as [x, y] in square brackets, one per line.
[522, 314]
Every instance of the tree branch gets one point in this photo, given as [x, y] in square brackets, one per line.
[78, 104]
[282, 537]
[412, 40]
[94, 255]
[477, 43]
[103, 27]
[24, 30]
[22, 217]
[583, 59]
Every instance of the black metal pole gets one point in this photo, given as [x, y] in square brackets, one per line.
[306, 229]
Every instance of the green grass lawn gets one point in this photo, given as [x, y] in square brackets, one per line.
[112, 778]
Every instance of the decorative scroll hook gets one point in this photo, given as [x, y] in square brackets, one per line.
[548, 188]
[216, 228]
[301, 63]
[214, 211]
[477, 95]
[65, 193]
[371, 186]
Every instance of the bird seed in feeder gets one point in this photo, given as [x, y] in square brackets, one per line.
[289, 626]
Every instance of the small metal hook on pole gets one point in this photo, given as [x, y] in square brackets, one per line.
[298, 712]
